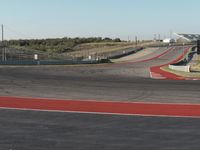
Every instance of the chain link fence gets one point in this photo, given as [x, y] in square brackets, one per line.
[18, 56]
[14, 56]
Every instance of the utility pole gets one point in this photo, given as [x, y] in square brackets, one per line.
[136, 40]
[3, 45]
[2, 32]
[2, 36]
[170, 34]
[155, 37]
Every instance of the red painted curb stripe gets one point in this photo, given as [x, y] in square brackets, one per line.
[126, 108]
[168, 75]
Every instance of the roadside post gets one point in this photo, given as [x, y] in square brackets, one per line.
[36, 58]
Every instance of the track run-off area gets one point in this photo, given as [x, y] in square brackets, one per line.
[106, 106]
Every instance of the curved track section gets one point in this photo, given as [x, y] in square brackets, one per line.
[158, 73]
[127, 82]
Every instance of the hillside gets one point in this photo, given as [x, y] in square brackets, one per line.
[68, 48]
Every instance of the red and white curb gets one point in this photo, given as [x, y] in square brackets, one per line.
[157, 76]
[157, 73]
[101, 107]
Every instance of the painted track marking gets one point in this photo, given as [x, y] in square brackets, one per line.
[155, 70]
[102, 107]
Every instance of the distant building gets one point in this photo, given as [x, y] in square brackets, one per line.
[169, 40]
[188, 37]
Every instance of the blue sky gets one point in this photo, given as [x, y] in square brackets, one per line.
[105, 18]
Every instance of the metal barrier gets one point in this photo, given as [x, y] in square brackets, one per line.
[16, 56]
[124, 52]
[43, 62]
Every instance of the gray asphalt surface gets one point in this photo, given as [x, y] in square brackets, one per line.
[121, 82]
[24, 130]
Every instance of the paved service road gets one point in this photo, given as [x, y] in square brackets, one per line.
[24, 130]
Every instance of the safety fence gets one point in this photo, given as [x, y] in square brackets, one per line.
[45, 62]
[17, 56]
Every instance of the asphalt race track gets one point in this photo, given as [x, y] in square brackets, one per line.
[26, 130]
[109, 82]
[121, 82]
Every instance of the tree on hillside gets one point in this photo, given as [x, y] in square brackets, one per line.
[59, 44]
[117, 40]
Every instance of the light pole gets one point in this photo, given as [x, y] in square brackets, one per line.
[3, 44]
[136, 40]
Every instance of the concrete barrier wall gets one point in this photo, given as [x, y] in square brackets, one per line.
[123, 53]
[180, 68]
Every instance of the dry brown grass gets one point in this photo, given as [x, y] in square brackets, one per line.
[102, 48]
